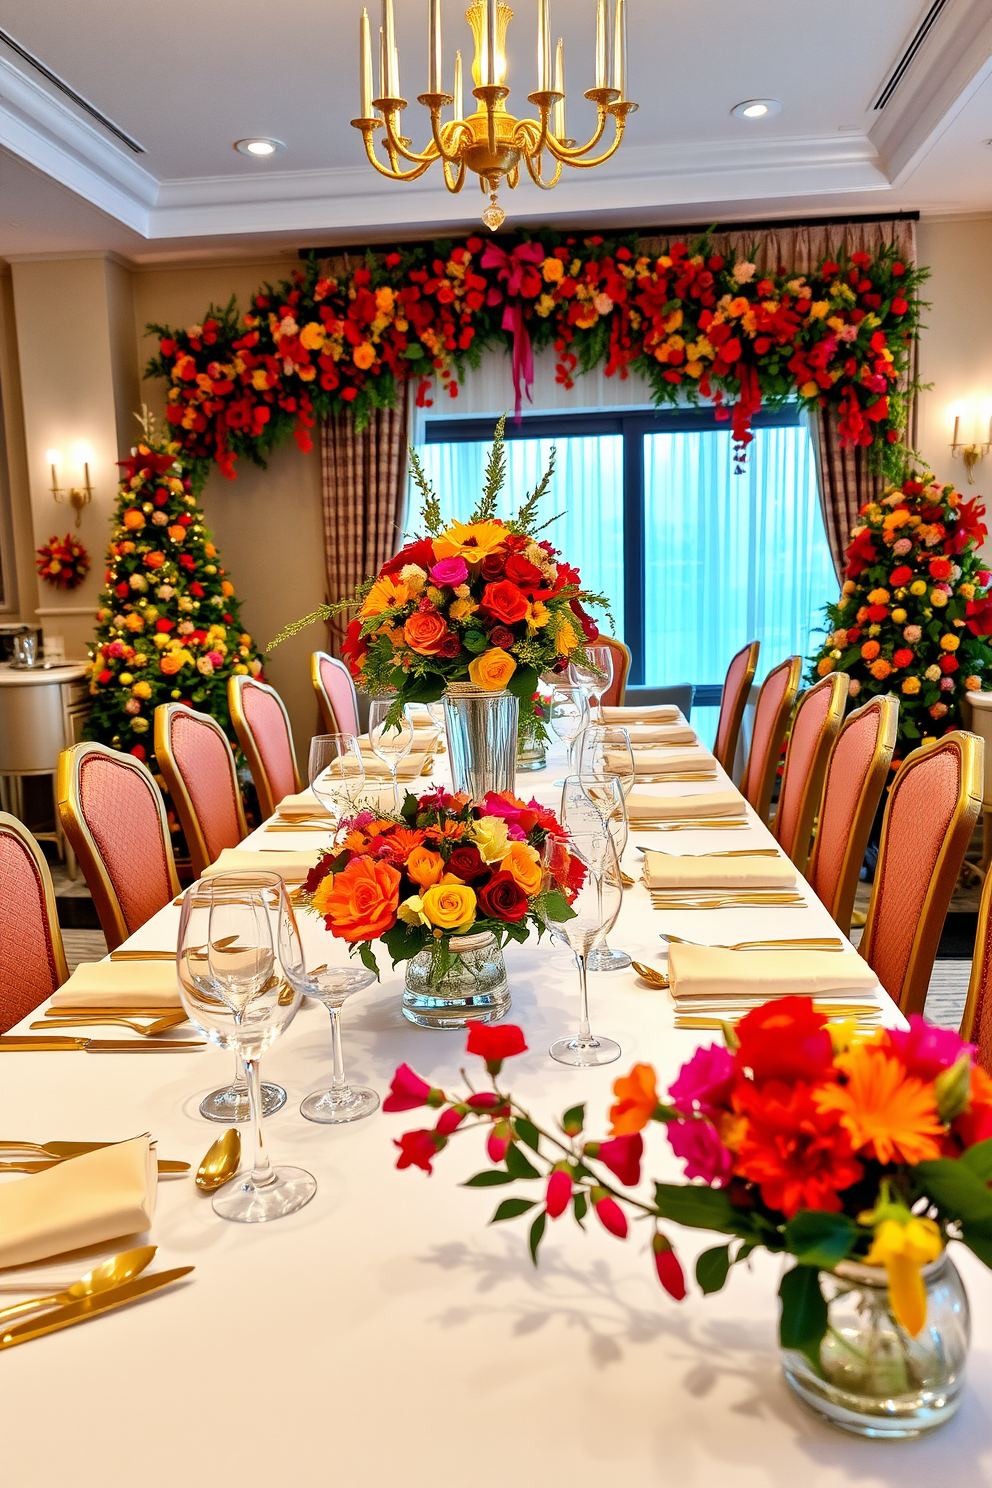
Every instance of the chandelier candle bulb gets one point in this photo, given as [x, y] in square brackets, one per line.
[383, 65]
[492, 8]
[601, 29]
[389, 81]
[434, 68]
[620, 50]
[459, 96]
[559, 125]
[365, 42]
[543, 47]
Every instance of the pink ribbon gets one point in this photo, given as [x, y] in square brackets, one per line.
[511, 268]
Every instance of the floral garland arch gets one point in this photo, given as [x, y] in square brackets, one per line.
[693, 324]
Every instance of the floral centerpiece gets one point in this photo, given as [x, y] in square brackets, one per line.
[439, 882]
[915, 612]
[858, 1156]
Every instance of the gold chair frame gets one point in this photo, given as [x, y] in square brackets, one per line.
[912, 995]
[621, 665]
[235, 687]
[974, 1000]
[801, 843]
[728, 753]
[841, 908]
[108, 905]
[765, 784]
[176, 784]
[331, 724]
[16, 828]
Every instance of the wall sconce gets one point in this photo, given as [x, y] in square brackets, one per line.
[76, 496]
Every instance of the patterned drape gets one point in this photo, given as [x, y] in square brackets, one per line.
[363, 476]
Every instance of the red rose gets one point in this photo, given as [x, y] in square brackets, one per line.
[493, 566]
[163, 626]
[424, 632]
[104, 677]
[122, 591]
[523, 572]
[502, 898]
[622, 1155]
[784, 1040]
[505, 601]
[902, 657]
[899, 305]
[853, 635]
[466, 863]
[877, 613]
[500, 636]
[421, 553]
[940, 568]
[450, 646]
[409, 1090]
[901, 575]
[495, 1043]
[898, 269]
[948, 664]
[138, 750]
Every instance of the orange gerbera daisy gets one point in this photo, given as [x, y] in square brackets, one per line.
[402, 842]
[637, 1101]
[889, 1114]
[358, 840]
[386, 593]
[452, 830]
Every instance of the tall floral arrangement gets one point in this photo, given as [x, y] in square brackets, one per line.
[169, 627]
[915, 613]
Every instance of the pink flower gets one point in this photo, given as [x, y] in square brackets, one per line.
[622, 1155]
[926, 1050]
[559, 1194]
[705, 1156]
[496, 1145]
[409, 1090]
[902, 546]
[449, 1121]
[947, 684]
[912, 634]
[609, 1213]
[215, 658]
[666, 1263]
[450, 571]
[485, 1100]
[116, 648]
[494, 1044]
[704, 1082]
[418, 1149]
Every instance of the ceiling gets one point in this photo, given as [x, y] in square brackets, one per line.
[288, 70]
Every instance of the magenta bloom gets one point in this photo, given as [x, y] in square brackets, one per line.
[705, 1156]
[485, 1100]
[559, 1194]
[611, 1216]
[622, 1155]
[418, 1149]
[926, 1050]
[705, 1081]
[409, 1090]
[496, 1146]
[449, 1121]
[666, 1263]
[450, 571]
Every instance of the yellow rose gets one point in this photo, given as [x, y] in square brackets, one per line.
[490, 836]
[918, 587]
[949, 643]
[553, 270]
[523, 863]
[899, 617]
[911, 685]
[492, 670]
[141, 690]
[449, 906]
[967, 591]
[938, 599]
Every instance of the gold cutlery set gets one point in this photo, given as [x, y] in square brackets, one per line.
[50, 1154]
[690, 824]
[116, 1282]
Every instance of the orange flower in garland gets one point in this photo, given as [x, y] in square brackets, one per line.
[890, 1115]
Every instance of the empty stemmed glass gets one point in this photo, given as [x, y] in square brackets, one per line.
[606, 751]
[336, 771]
[569, 717]
[233, 989]
[607, 797]
[331, 985]
[594, 679]
[391, 742]
[592, 913]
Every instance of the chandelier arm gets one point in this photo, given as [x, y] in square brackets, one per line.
[396, 146]
[392, 174]
[534, 171]
[456, 127]
[456, 181]
[572, 154]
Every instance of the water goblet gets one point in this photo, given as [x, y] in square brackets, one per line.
[331, 985]
[607, 797]
[391, 742]
[595, 904]
[606, 751]
[569, 717]
[596, 677]
[336, 771]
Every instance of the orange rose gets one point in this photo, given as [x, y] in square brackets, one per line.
[154, 560]
[133, 519]
[492, 670]
[880, 670]
[425, 632]
[360, 902]
[363, 356]
[177, 533]
[870, 650]
[523, 864]
[637, 1101]
[505, 601]
[425, 866]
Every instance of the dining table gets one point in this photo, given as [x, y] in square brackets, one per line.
[388, 1335]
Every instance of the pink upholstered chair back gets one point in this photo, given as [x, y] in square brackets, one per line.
[32, 960]
[198, 765]
[114, 816]
[976, 1025]
[336, 693]
[262, 726]
[740, 674]
[814, 728]
[614, 695]
[933, 804]
[771, 722]
[856, 775]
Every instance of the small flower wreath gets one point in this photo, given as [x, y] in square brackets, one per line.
[63, 562]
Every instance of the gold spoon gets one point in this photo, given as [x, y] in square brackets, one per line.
[221, 1161]
[88, 1020]
[112, 1273]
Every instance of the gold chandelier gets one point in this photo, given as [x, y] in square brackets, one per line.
[491, 141]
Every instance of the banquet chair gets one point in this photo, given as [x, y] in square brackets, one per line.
[976, 1024]
[614, 695]
[266, 738]
[32, 958]
[933, 805]
[114, 817]
[817, 721]
[335, 693]
[197, 764]
[776, 700]
[737, 684]
[857, 770]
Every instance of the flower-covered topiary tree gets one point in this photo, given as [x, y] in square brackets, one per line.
[914, 614]
[168, 625]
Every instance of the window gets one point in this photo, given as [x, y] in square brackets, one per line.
[694, 559]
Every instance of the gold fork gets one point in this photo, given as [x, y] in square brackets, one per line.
[87, 1020]
[805, 943]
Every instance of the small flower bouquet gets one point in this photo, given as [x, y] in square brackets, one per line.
[63, 562]
[847, 1153]
[443, 868]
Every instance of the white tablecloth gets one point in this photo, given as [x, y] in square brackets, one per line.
[386, 1336]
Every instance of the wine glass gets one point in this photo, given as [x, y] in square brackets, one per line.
[591, 914]
[336, 770]
[234, 992]
[390, 742]
[331, 985]
[596, 677]
[569, 716]
[606, 794]
[229, 1104]
[607, 752]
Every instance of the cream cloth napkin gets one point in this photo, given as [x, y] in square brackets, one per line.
[710, 971]
[120, 984]
[666, 761]
[408, 768]
[660, 733]
[293, 867]
[303, 804]
[86, 1200]
[708, 871]
[419, 717]
[699, 805]
[650, 713]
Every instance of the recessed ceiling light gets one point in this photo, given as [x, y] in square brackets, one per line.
[756, 108]
[258, 147]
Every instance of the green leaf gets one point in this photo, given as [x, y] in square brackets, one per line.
[820, 1239]
[523, 683]
[475, 640]
[527, 1132]
[978, 1239]
[804, 1313]
[368, 959]
[517, 1164]
[557, 907]
[978, 1160]
[955, 1188]
[511, 1209]
[400, 944]
[702, 1209]
[414, 352]
[489, 1179]
[580, 1206]
[536, 1235]
[712, 1268]
[574, 1119]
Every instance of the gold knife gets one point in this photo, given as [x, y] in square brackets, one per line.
[142, 955]
[79, 1312]
[24, 1044]
[41, 1164]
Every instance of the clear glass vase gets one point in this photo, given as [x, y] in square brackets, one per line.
[874, 1378]
[472, 990]
[531, 751]
[481, 728]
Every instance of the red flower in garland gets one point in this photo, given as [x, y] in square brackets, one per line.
[63, 562]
